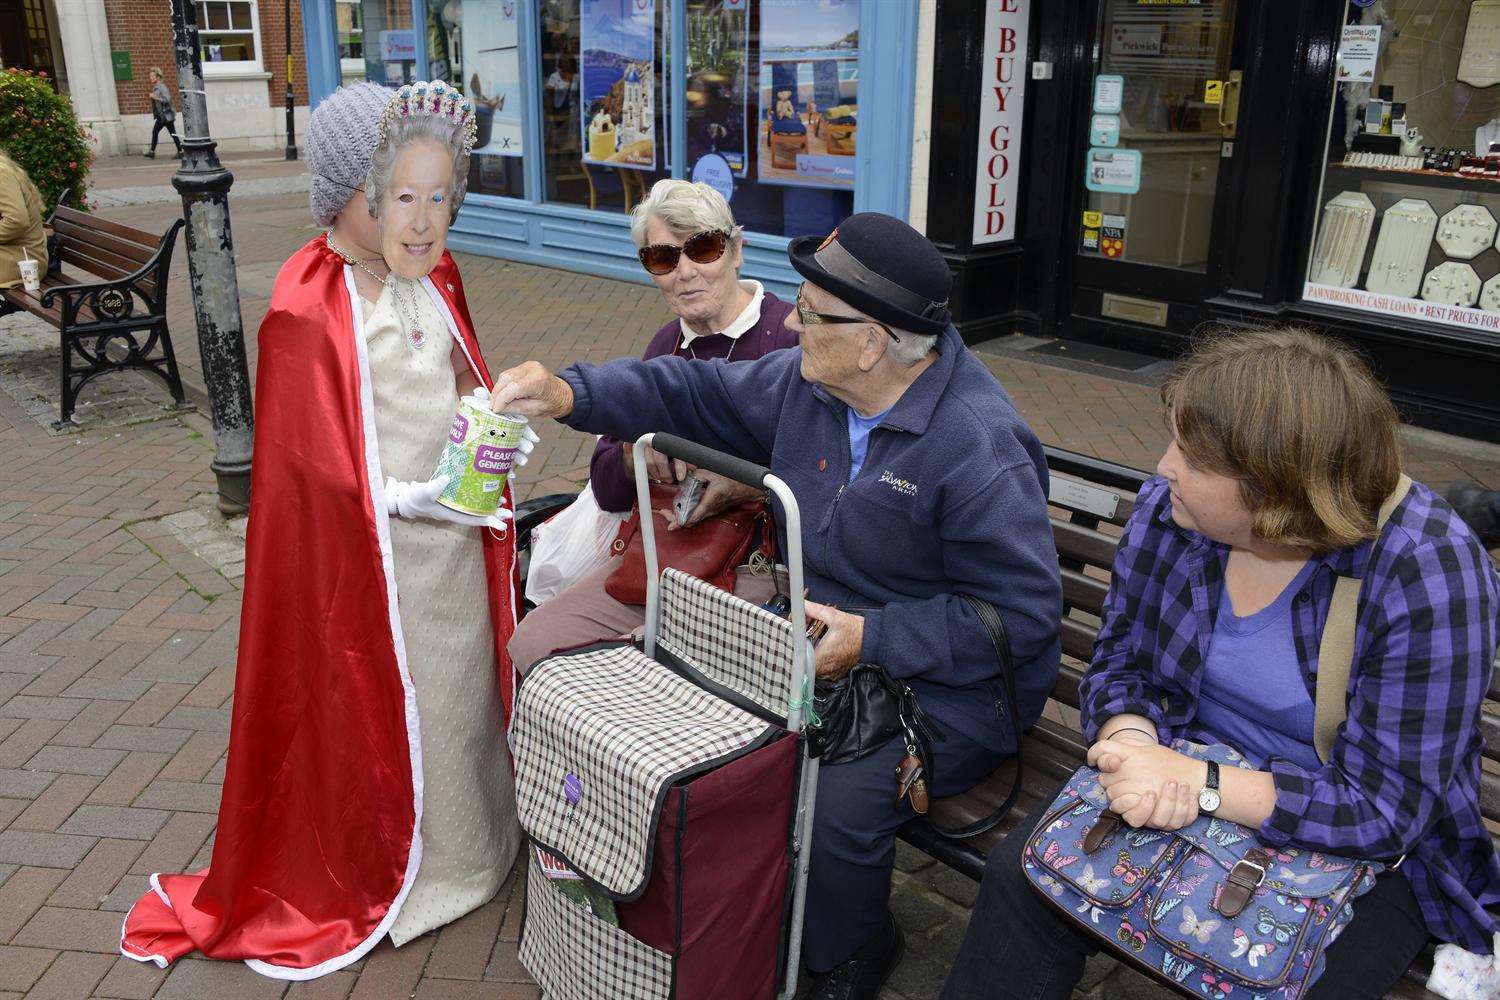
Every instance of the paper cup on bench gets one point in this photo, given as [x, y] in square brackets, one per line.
[31, 274]
[478, 455]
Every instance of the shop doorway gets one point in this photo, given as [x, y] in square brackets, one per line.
[1155, 138]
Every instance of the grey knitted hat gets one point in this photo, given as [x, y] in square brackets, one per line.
[341, 138]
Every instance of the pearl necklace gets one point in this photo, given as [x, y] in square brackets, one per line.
[415, 336]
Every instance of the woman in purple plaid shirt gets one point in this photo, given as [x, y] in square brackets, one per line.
[1284, 447]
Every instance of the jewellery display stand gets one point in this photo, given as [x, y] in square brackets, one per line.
[1401, 249]
[1451, 283]
[1466, 232]
[1342, 239]
[1489, 296]
[1479, 63]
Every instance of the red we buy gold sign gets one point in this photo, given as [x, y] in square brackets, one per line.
[1003, 100]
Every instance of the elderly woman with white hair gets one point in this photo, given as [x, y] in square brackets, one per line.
[690, 245]
[367, 792]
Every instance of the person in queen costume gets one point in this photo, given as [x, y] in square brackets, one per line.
[368, 790]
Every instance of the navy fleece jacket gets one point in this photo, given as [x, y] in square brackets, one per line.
[951, 500]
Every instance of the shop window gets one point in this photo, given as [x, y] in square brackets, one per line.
[386, 38]
[349, 23]
[772, 99]
[1409, 209]
[474, 45]
[601, 96]
[229, 35]
[1155, 132]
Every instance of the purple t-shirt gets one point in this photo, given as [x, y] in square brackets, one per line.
[1253, 696]
[613, 488]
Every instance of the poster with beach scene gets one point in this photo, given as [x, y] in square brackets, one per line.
[492, 62]
[718, 80]
[808, 123]
[617, 39]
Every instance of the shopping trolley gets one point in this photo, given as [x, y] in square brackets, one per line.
[665, 787]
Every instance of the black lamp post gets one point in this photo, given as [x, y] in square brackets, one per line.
[291, 127]
[204, 185]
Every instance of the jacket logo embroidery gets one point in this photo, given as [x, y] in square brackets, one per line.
[901, 486]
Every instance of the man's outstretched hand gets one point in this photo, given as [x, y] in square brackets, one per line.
[533, 391]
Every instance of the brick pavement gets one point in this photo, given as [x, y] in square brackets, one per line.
[117, 650]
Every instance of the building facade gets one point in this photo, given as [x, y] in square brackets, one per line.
[800, 111]
[1181, 165]
[101, 55]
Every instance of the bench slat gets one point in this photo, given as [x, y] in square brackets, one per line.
[1066, 691]
[129, 249]
[1078, 640]
[1087, 545]
[93, 223]
[101, 263]
[1083, 591]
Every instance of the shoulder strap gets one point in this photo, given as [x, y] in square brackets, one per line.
[1000, 640]
[1336, 650]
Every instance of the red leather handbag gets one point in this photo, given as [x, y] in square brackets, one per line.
[709, 550]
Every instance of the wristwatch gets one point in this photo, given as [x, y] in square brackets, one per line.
[1208, 798]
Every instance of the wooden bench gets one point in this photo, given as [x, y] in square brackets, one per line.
[1090, 500]
[114, 323]
[1088, 497]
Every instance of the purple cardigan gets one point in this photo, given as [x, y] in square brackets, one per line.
[613, 488]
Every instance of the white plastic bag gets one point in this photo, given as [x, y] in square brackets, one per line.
[575, 542]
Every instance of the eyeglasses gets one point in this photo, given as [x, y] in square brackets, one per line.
[701, 248]
[811, 317]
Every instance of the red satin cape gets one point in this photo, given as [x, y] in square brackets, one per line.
[319, 824]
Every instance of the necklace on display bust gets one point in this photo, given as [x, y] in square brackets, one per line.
[399, 291]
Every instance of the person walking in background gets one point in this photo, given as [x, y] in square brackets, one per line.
[163, 112]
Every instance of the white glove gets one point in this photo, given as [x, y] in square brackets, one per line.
[529, 437]
[413, 500]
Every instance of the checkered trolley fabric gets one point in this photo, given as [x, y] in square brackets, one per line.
[670, 800]
[598, 737]
[579, 957]
[728, 640]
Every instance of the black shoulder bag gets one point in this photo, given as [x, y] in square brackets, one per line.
[867, 708]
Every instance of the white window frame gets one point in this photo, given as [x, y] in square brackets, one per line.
[236, 67]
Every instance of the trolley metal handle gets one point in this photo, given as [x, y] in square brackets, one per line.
[694, 453]
[752, 475]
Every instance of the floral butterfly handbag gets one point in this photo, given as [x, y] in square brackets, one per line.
[1207, 909]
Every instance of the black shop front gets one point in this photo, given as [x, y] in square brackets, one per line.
[1123, 174]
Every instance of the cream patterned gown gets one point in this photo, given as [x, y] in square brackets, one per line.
[469, 828]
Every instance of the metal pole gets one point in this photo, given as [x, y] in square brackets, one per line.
[204, 186]
[291, 127]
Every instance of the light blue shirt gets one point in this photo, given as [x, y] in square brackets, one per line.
[859, 437]
[1253, 696]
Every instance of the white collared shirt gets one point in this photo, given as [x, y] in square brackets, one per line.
[744, 321]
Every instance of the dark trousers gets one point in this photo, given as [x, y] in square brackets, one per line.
[1019, 946]
[168, 124]
[854, 841]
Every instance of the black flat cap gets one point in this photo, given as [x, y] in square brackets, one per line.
[882, 267]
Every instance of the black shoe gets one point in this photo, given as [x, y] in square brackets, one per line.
[861, 977]
[149, 154]
[1479, 507]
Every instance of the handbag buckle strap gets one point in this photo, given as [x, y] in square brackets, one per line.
[1244, 878]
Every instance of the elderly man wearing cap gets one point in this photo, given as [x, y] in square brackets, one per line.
[919, 483]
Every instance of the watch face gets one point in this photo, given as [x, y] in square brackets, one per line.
[1208, 800]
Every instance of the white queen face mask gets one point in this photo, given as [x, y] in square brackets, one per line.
[415, 209]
